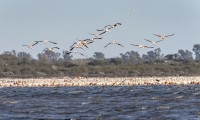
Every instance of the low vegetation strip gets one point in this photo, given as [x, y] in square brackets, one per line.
[129, 64]
[97, 81]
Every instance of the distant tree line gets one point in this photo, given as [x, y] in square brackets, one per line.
[131, 63]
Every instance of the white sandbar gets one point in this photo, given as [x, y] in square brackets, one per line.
[98, 81]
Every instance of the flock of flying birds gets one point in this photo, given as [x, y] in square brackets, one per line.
[80, 44]
[44, 41]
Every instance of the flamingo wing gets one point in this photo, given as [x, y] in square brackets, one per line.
[148, 40]
[134, 44]
[157, 35]
[55, 47]
[120, 44]
[100, 29]
[35, 43]
[169, 35]
[102, 33]
[108, 26]
[53, 42]
[107, 45]
[158, 41]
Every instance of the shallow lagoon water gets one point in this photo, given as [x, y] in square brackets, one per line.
[118, 102]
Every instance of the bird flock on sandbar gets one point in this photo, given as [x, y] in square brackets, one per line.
[81, 44]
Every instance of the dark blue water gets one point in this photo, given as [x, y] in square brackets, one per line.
[117, 103]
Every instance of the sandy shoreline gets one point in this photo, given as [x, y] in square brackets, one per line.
[104, 81]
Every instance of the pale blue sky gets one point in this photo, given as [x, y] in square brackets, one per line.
[64, 21]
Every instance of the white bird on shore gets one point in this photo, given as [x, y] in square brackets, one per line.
[141, 46]
[46, 41]
[114, 43]
[153, 42]
[31, 46]
[162, 37]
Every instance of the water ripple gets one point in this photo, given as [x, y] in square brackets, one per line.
[127, 102]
